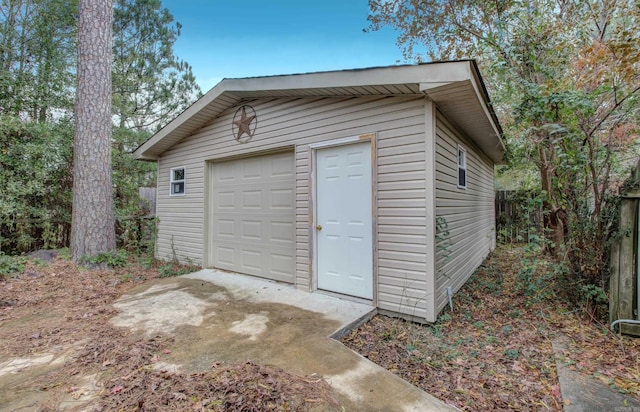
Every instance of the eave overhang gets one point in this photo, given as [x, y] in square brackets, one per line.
[456, 88]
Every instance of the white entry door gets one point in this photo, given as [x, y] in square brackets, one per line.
[344, 220]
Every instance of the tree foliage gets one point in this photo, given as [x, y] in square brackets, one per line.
[151, 85]
[37, 57]
[37, 85]
[565, 80]
[36, 177]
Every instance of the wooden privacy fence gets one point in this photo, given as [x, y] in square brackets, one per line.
[148, 199]
[624, 299]
[518, 216]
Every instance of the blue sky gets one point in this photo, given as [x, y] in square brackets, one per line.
[230, 38]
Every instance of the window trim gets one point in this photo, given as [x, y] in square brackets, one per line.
[462, 167]
[172, 181]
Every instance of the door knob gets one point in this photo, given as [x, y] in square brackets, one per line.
[318, 227]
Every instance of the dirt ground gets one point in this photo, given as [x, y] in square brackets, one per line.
[494, 350]
[59, 351]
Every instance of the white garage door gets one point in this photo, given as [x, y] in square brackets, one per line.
[252, 216]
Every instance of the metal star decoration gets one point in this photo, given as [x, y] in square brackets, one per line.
[244, 124]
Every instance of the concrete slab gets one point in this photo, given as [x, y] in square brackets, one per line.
[263, 290]
[584, 394]
[218, 316]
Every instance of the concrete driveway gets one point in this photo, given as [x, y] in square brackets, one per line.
[218, 316]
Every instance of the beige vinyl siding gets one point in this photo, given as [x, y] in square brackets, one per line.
[286, 123]
[303, 232]
[180, 214]
[401, 215]
[469, 212]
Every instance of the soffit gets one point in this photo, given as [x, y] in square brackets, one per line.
[455, 87]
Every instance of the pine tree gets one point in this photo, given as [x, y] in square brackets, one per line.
[92, 226]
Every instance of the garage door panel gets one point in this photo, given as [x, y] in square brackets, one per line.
[225, 255]
[252, 168]
[281, 264]
[225, 175]
[226, 200]
[252, 199]
[252, 216]
[251, 260]
[281, 198]
[226, 228]
[251, 229]
[257, 262]
[281, 232]
[281, 165]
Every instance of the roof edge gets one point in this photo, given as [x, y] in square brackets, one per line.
[480, 81]
[211, 95]
[425, 75]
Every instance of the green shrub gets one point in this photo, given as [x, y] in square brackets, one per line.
[115, 259]
[64, 253]
[594, 299]
[36, 177]
[173, 269]
[146, 261]
[11, 266]
[36, 174]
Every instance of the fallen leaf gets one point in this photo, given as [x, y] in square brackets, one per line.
[516, 367]
[116, 389]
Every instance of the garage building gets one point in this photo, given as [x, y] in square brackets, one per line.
[374, 184]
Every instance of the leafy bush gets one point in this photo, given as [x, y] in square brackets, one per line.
[594, 300]
[541, 278]
[146, 261]
[36, 177]
[36, 174]
[174, 269]
[116, 259]
[64, 253]
[133, 232]
[11, 266]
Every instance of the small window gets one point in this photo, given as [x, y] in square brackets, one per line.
[462, 168]
[177, 180]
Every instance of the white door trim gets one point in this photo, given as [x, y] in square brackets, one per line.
[336, 142]
[313, 235]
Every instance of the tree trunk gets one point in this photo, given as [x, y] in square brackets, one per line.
[553, 220]
[92, 227]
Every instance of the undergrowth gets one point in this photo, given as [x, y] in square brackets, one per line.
[493, 350]
[12, 266]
